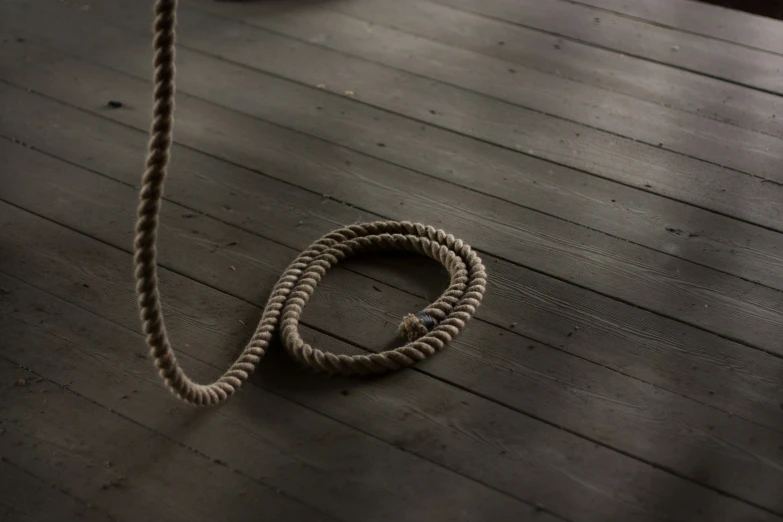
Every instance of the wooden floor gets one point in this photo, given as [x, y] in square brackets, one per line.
[618, 164]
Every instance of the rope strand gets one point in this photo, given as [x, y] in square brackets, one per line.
[427, 331]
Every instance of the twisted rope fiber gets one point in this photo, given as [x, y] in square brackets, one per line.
[426, 331]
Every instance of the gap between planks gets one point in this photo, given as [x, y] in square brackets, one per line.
[213, 303]
[764, 167]
[508, 280]
[616, 32]
[546, 94]
[17, 486]
[348, 285]
[695, 316]
[708, 196]
[515, 279]
[750, 109]
[300, 440]
[693, 253]
[746, 29]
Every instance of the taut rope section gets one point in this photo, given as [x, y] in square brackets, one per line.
[427, 331]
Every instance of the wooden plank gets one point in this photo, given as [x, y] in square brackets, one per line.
[450, 157]
[491, 373]
[542, 308]
[718, 22]
[258, 434]
[735, 309]
[664, 225]
[537, 454]
[670, 86]
[715, 58]
[645, 122]
[25, 497]
[82, 447]
[610, 333]
[650, 169]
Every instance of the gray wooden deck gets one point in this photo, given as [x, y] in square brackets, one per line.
[617, 163]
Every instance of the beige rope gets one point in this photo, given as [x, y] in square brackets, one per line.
[427, 331]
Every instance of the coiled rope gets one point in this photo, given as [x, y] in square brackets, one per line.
[426, 331]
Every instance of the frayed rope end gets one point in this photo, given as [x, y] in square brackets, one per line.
[415, 326]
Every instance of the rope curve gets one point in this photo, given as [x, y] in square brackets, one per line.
[426, 331]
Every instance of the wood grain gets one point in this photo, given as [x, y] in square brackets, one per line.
[611, 333]
[659, 223]
[636, 406]
[645, 122]
[261, 435]
[637, 216]
[732, 25]
[25, 497]
[572, 59]
[648, 279]
[636, 38]
[71, 441]
[535, 461]
[628, 161]
[345, 301]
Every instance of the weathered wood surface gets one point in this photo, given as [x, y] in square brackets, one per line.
[522, 301]
[708, 20]
[524, 88]
[647, 167]
[616, 267]
[708, 56]
[99, 455]
[579, 61]
[624, 366]
[25, 497]
[333, 312]
[106, 293]
[262, 442]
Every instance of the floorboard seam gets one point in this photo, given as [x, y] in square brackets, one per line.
[52, 485]
[542, 71]
[638, 57]
[148, 428]
[254, 382]
[674, 28]
[335, 335]
[654, 465]
[454, 86]
[500, 257]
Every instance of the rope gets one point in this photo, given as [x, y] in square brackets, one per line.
[426, 331]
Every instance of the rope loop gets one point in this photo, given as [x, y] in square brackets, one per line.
[426, 331]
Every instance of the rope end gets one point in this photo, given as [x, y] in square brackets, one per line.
[416, 325]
